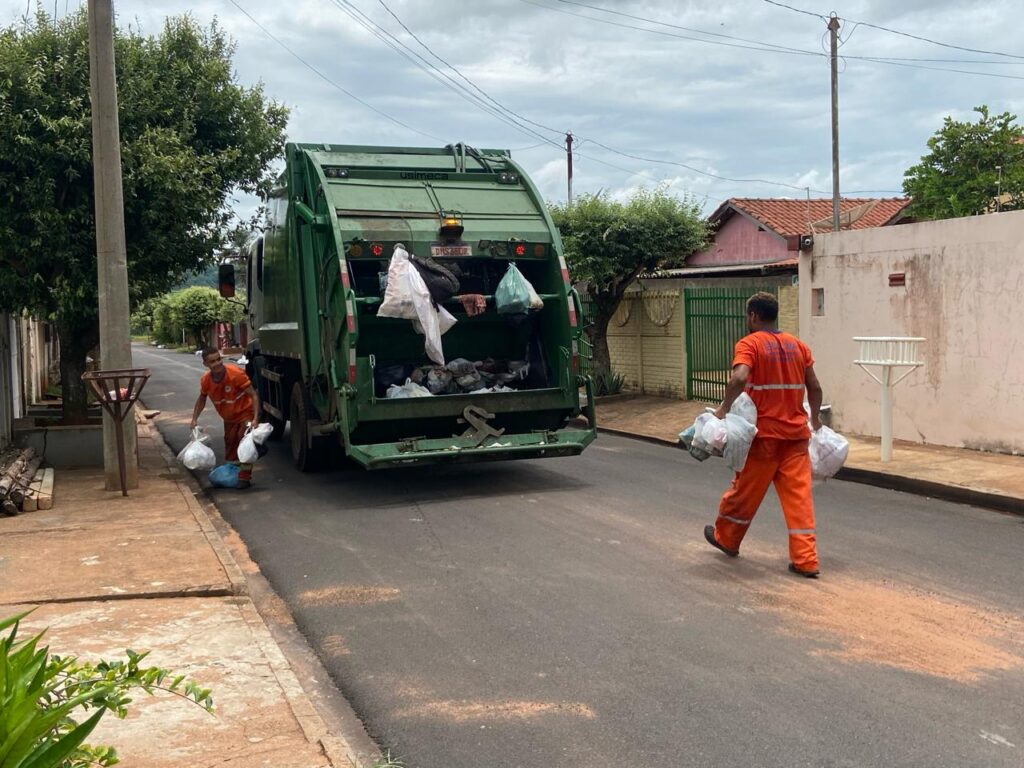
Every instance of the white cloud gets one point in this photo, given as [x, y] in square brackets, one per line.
[737, 113]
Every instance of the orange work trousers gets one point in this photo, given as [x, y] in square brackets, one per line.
[786, 464]
[234, 431]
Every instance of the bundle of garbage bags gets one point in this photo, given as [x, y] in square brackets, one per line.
[731, 438]
[198, 455]
[457, 377]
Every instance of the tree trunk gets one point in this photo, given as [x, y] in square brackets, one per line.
[598, 332]
[75, 343]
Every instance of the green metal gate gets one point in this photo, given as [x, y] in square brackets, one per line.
[716, 318]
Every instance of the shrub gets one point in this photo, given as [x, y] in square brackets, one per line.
[43, 696]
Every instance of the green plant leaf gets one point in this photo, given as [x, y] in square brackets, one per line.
[54, 754]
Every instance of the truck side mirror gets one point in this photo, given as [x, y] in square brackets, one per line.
[226, 280]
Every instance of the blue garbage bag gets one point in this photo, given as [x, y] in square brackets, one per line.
[225, 476]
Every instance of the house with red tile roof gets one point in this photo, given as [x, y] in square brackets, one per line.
[762, 235]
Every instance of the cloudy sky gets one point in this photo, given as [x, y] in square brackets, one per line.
[680, 82]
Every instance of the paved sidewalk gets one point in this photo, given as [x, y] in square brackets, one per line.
[986, 479]
[150, 572]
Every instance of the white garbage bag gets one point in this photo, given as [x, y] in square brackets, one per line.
[408, 297]
[398, 294]
[828, 452]
[407, 390]
[743, 406]
[249, 448]
[713, 433]
[740, 436]
[262, 432]
[198, 455]
[247, 452]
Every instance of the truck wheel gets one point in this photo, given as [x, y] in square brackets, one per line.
[263, 390]
[308, 458]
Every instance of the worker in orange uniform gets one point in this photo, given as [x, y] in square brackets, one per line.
[774, 368]
[235, 400]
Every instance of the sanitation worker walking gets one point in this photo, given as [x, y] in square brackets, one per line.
[774, 368]
[235, 400]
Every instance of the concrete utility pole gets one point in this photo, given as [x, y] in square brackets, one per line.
[111, 257]
[568, 160]
[833, 28]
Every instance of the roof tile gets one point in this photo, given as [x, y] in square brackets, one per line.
[790, 217]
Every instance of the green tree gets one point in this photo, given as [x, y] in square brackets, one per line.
[196, 309]
[968, 168]
[191, 136]
[608, 244]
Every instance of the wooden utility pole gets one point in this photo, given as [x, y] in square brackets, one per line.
[111, 256]
[568, 161]
[833, 28]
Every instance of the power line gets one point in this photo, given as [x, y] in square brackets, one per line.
[769, 47]
[774, 48]
[417, 60]
[702, 173]
[903, 34]
[798, 10]
[470, 82]
[677, 26]
[328, 80]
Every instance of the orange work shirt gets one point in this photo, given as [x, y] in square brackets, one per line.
[229, 395]
[778, 364]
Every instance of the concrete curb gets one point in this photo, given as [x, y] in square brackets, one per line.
[353, 749]
[954, 493]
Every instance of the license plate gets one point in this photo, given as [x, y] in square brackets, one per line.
[450, 251]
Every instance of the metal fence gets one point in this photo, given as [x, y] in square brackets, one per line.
[716, 318]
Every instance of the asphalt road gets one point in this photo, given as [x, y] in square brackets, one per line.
[567, 612]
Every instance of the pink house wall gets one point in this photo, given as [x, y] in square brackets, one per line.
[739, 241]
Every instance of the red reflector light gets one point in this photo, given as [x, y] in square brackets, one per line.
[377, 249]
[520, 250]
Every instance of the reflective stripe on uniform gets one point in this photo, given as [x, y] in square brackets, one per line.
[760, 387]
[735, 520]
[232, 400]
[798, 531]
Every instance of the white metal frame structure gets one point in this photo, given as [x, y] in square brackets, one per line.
[888, 353]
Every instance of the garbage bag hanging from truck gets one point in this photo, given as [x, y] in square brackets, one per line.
[408, 297]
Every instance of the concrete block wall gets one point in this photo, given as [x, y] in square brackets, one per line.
[652, 357]
[623, 343]
[789, 309]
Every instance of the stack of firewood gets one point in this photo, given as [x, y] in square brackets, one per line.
[24, 485]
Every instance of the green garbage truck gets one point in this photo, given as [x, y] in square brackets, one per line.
[357, 385]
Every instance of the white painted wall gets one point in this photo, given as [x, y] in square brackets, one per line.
[964, 293]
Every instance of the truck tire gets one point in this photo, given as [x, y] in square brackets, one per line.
[308, 455]
[263, 390]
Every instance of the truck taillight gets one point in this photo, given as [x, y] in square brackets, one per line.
[377, 249]
[520, 249]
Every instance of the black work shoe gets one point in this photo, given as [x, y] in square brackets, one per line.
[709, 534]
[805, 574]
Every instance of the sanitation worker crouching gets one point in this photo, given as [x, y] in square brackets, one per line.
[236, 402]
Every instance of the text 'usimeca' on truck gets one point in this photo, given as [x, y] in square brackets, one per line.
[353, 232]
